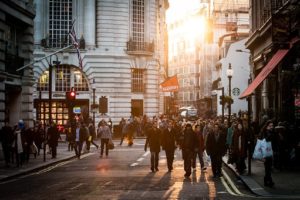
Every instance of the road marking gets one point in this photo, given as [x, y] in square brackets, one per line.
[140, 159]
[146, 154]
[134, 164]
[77, 186]
[107, 183]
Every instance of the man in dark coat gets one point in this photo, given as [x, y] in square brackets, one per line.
[189, 145]
[6, 138]
[216, 149]
[53, 136]
[153, 140]
[169, 144]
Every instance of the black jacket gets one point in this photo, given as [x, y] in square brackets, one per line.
[153, 139]
[190, 140]
[169, 139]
[216, 147]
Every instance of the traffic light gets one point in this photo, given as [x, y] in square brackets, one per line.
[71, 95]
[222, 100]
[103, 105]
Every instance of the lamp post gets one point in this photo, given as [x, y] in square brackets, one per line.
[56, 62]
[229, 73]
[249, 129]
[94, 100]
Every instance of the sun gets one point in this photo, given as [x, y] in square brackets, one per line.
[191, 18]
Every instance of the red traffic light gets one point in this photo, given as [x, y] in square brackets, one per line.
[71, 95]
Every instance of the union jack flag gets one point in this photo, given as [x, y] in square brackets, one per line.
[72, 34]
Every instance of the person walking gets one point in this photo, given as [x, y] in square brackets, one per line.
[267, 133]
[53, 136]
[154, 142]
[105, 135]
[92, 136]
[189, 144]
[6, 138]
[123, 126]
[216, 149]
[199, 148]
[79, 139]
[239, 147]
[169, 144]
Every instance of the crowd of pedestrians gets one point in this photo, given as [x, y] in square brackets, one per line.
[205, 139]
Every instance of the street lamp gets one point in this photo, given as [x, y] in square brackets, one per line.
[249, 128]
[229, 73]
[94, 99]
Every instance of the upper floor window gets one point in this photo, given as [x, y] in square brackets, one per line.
[60, 22]
[138, 22]
[137, 80]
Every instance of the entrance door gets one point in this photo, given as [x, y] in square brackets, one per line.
[137, 107]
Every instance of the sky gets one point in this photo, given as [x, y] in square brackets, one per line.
[179, 8]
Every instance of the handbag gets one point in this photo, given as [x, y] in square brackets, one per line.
[111, 144]
[267, 149]
[257, 154]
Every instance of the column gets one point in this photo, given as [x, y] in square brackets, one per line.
[89, 23]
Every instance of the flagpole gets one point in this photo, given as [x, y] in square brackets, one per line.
[44, 57]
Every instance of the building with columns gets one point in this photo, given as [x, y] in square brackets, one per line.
[123, 49]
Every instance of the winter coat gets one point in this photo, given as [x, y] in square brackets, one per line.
[216, 147]
[169, 139]
[190, 140]
[153, 139]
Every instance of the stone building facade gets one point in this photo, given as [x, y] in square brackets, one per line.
[122, 45]
[16, 50]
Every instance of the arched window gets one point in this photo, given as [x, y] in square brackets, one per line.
[80, 82]
[65, 77]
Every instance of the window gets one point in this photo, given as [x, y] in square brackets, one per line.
[43, 82]
[137, 80]
[65, 77]
[138, 23]
[62, 78]
[60, 22]
[80, 83]
[59, 112]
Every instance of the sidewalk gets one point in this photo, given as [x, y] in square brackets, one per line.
[35, 163]
[286, 182]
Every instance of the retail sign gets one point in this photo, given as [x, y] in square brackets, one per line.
[236, 91]
[170, 85]
[77, 110]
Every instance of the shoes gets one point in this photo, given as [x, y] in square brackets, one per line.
[156, 169]
[269, 184]
[187, 175]
[203, 168]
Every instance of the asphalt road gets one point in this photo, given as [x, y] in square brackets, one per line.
[124, 174]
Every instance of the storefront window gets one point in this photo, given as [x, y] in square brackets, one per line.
[59, 112]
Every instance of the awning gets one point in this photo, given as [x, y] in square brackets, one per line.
[275, 60]
[277, 57]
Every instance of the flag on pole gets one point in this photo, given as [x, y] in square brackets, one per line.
[170, 85]
[75, 43]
